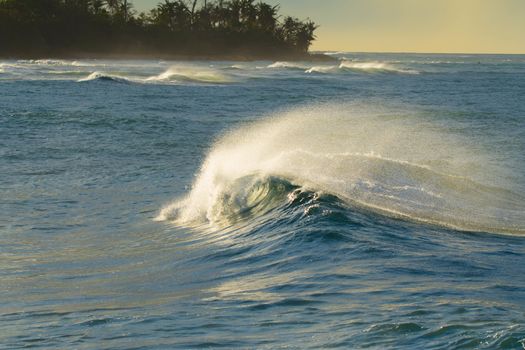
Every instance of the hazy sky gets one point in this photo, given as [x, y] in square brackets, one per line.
[484, 26]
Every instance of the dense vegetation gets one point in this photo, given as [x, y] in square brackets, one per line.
[198, 28]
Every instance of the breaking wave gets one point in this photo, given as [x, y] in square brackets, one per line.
[323, 69]
[375, 67]
[288, 65]
[189, 73]
[389, 165]
[100, 76]
[345, 66]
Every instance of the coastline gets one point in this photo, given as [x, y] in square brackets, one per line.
[242, 57]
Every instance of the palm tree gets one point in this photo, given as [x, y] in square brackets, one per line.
[174, 15]
[203, 17]
[267, 16]
[96, 6]
[305, 35]
[113, 6]
[248, 14]
[232, 14]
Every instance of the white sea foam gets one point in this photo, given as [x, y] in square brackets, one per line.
[389, 163]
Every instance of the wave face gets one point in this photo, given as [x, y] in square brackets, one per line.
[389, 165]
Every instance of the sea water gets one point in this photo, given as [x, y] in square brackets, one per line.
[376, 201]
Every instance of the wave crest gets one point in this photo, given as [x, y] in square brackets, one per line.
[287, 65]
[100, 76]
[188, 73]
[390, 165]
[375, 67]
[346, 66]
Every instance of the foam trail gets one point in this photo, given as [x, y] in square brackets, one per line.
[388, 163]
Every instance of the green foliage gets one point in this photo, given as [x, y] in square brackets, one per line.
[185, 27]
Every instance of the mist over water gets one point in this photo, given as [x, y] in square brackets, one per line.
[377, 201]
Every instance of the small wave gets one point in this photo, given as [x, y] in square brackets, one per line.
[88, 64]
[9, 66]
[287, 65]
[360, 67]
[190, 73]
[46, 62]
[334, 53]
[99, 76]
[323, 69]
[235, 67]
[375, 67]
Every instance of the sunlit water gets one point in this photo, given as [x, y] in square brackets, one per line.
[374, 202]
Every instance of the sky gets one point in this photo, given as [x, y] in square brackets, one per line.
[436, 26]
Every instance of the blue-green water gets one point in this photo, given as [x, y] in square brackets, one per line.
[377, 202]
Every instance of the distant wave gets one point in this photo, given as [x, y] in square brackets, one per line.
[55, 62]
[100, 76]
[361, 67]
[46, 62]
[323, 69]
[173, 75]
[235, 67]
[8, 66]
[191, 73]
[334, 53]
[375, 67]
[349, 66]
[287, 65]
[385, 165]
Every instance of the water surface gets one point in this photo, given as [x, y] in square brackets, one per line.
[375, 202]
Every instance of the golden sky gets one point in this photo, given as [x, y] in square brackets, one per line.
[463, 26]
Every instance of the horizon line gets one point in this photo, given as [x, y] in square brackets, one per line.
[419, 52]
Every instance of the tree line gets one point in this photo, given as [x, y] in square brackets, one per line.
[175, 27]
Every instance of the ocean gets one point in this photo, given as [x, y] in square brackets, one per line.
[374, 202]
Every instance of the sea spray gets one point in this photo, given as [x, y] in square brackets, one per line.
[390, 163]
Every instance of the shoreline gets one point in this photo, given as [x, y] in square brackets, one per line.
[309, 57]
